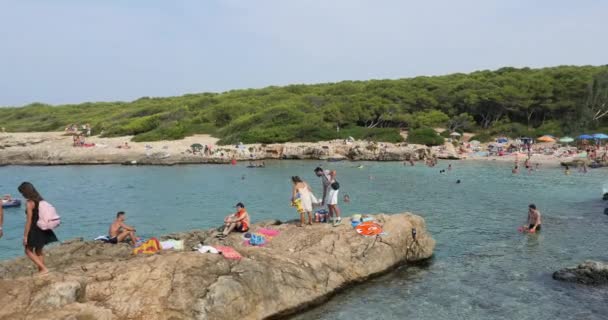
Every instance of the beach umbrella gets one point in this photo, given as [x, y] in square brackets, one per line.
[545, 139]
[474, 142]
[566, 140]
[455, 134]
[585, 137]
[600, 136]
[502, 140]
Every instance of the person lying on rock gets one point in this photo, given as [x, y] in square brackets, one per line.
[119, 231]
[238, 221]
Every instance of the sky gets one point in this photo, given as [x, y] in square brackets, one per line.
[71, 51]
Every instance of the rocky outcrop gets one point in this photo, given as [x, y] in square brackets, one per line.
[588, 272]
[447, 151]
[355, 150]
[56, 149]
[299, 268]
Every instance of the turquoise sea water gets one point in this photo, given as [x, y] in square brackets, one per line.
[482, 269]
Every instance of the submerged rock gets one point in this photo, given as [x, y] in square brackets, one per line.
[588, 272]
[298, 268]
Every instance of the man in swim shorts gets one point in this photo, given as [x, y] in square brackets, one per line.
[534, 222]
[238, 221]
[119, 231]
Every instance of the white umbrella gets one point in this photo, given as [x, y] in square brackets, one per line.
[455, 134]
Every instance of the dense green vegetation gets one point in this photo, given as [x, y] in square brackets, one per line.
[515, 102]
[426, 136]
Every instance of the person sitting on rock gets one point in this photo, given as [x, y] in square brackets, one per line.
[119, 231]
[238, 221]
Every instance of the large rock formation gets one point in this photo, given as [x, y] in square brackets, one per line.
[299, 268]
[588, 272]
[353, 150]
[56, 149]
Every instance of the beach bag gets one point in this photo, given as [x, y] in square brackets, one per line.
[257, 240]
[48, 219]
[297, 203]
[321, 215]
[335, 185]
[149, 247]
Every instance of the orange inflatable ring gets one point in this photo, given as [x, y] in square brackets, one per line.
[369, 229]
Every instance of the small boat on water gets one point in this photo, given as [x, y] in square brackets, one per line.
[13, 203]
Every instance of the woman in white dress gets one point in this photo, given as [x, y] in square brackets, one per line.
[302, 198]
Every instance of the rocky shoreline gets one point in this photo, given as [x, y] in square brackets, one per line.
[42, 149]
[297, 269]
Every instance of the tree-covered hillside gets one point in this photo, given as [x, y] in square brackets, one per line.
[558, 100]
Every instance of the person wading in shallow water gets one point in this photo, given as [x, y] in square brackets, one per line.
[34, 238]
[534, 221]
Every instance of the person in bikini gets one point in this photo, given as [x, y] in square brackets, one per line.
[119, 231]
[238, 221]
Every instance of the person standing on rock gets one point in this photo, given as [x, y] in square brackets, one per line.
[34, 238]
[301, 192]
[330, 193]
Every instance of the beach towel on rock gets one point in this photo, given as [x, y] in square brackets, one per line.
[368, 229]
[103, 238]
[267, 232]
[208, 249]
[172, 244]
[229, 252]
[149, 247]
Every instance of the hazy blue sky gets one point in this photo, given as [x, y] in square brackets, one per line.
[64, 51]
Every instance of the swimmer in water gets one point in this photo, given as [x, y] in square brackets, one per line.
[346, 198]
[515, 170]
[450, 167]
[458, 181]
[534, 221]
[567, 171]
